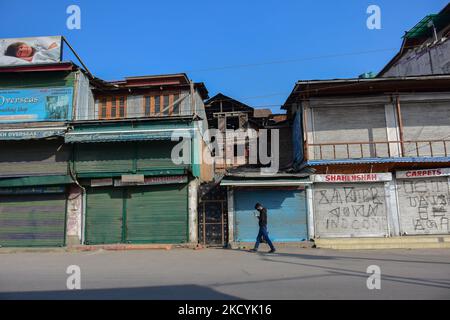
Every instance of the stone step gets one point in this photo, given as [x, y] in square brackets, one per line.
[405, 239]
[413, 242]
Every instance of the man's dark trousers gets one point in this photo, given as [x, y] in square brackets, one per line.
[263, 233]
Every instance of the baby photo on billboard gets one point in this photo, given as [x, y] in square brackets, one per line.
[30, 50]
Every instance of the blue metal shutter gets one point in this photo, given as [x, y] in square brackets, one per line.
[286, 212]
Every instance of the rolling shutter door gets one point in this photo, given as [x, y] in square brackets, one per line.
[286, 214]
[157, 214]
[32, 220]
[424, 206]
[104, 157]
[25, 158]
[104, 212]
[350, 210]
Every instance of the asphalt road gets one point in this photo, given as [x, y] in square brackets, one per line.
[227, 274]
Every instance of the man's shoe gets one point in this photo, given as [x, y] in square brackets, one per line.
[272, 251]
[253, 250]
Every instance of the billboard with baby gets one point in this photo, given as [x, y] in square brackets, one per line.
[30, 105]
[25, 51]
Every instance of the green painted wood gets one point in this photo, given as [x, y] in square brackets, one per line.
[157, 214]
[104, 215]
[37, 79]
[36, 181]
[32, 220]
[155, 172]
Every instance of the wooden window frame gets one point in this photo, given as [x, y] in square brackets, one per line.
[161, 96]
[106, 107]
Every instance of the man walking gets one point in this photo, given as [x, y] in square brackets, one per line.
[262, 229]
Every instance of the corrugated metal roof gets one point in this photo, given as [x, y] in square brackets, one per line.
[265, 182]
[377, 160]
[126, 135]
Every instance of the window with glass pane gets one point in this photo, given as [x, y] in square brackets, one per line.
[113, 108]
[157, 105]
[176, 104]
[122, 107]
[103, 108]
[147, 109]
[166, 105]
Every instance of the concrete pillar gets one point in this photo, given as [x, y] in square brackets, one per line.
[392, 130]
[310, 211]
[193, 212]
[230, 199]
[74, 216]
[392, 208]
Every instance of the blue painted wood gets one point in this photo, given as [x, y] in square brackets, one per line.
[287, 218]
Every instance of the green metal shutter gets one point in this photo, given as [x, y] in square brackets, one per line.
[104, 157]
[157, 214]
[155, 154]
[104, 212]
[32, 220]
[25, 158]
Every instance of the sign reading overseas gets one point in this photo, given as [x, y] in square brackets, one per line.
[26, 51]
[30, 105]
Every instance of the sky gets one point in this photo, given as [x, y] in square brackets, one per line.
[253, 51]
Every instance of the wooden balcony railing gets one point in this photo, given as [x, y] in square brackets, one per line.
[383, 149]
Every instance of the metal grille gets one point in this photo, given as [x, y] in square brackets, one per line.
[213, 218]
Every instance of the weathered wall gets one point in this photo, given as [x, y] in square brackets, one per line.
[423, 61]
[424, 206]
[135, 107]
[349, 124]
[84, 108]
[74, 213]
[350, 210]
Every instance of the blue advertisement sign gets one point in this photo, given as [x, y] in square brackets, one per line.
[30, 105]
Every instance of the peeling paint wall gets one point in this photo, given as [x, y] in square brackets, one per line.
[74, 213]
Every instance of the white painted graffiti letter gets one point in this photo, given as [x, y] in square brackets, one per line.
[374, 281]
[74, 280]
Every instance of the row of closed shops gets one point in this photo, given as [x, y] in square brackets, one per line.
[381, 206]
[414, 202]
[54, 193]
[44, 216]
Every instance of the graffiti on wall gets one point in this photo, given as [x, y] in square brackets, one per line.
[424, 206]
[350, 209]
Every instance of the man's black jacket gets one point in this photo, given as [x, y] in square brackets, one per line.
[263, 217]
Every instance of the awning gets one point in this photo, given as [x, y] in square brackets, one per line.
[377, 161]
[126, 135]
[35, 181]
[31, 133]
[265, 182]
